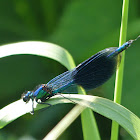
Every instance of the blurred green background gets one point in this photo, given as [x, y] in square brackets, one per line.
[83, 28]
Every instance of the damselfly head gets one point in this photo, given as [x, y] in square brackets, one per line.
[27, 96]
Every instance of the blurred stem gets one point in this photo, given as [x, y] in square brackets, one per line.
[119, 73]
[89, 125]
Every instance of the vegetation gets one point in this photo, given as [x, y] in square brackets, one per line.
[83, 28]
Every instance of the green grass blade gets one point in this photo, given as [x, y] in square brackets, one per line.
[89, 125]
[129, 121]
[64, 123]
[119, 74]
[59, 54]
[41, 49]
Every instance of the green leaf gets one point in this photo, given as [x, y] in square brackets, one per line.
[89, 125]
[39, 48]
[59, 54]
[105, 107]
[119, 73]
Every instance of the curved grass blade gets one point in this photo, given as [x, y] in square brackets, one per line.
[41, 49]
[54, 52]
[129, 121]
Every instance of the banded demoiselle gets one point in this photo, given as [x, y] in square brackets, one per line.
[90, 74]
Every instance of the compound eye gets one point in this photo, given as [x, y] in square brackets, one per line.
[26, 99]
